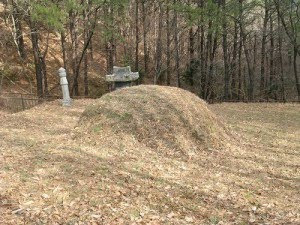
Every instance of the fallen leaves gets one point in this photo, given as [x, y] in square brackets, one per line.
[56, 180]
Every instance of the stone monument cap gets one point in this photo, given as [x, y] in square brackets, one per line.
[122, 74]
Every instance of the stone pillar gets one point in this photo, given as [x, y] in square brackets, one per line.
[64, 86]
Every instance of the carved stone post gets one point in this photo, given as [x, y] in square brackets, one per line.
[64, 86]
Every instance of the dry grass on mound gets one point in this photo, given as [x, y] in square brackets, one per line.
[168, 119]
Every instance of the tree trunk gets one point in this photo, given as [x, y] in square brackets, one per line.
[263, 52]
[234, 93]
[86, 34]
[192, 63]
[168, 70]
[296, 72]
[137, 37]
[250, 69]
[281, 61]
[91, 48]
[210, 92]
[85, 71]
[74, 49]
[272, 70]
[201, 51]
[63, 49]
[45, 79]
[37, 56]
[109, 42]
[247, 56]
[240, 92]
[240, 82]
[145, 32]
[204, 79]
[176, 43]
[252, 79]
[44, 67]
[16, 16]
[225, 54]
[158, 78]
[211, 49]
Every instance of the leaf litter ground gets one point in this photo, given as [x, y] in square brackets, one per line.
[60, 166]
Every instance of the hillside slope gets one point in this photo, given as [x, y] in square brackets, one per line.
[58, 165]
[19, 75]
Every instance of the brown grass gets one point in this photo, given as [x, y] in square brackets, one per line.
[166, 119]
[51, 173]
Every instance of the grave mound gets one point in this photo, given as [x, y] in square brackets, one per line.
[166, 119]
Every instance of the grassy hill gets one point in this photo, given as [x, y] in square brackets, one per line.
[131, 158]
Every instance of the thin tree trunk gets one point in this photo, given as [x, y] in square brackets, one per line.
[225, 55]
[248, 61]
[74, 40]
[191, 46]
[45, 79]
[137, 37]
[234, 63]
[112, 52]
[176, 43]
[37, 57]
[91, 48]
[86, 33]
[210, 86]
[252, 79]
[44, 67]
[16, 16]
[211, 49]
[1, 82]
[272, 70]
[281, 61]
[192, 63]
[157, 78]
[245, 84]
[168, 70]
[240, 70]
[296, 72]
[204, 80]
[240, 93]
[145, 32]
[109, 42]
[201, 52]
[250, 70]
[263, 51]
[85, 71]
[63, 49]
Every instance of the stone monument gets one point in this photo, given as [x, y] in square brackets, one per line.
[122, 77]
[64, 86]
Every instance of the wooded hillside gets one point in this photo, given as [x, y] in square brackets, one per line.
[219, 49]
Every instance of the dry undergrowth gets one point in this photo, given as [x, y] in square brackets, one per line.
[105, 172]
